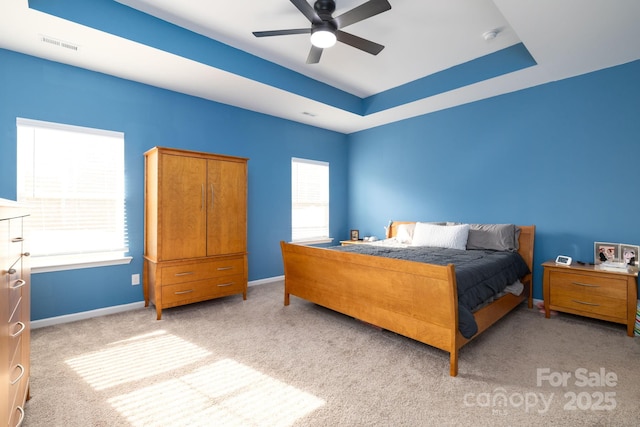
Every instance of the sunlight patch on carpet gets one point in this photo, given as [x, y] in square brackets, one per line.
[135, 358]
[224, 393]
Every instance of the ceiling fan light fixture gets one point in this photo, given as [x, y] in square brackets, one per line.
[323, 36]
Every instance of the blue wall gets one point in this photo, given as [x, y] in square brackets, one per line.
[563, 156]
[42, 90]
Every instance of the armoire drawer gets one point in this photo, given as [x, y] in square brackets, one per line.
[202, 290]
[191, 272]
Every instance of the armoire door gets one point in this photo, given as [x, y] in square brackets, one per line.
[182, 207]
[227, 202]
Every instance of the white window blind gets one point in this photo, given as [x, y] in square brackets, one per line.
[72, 181]
[310, 200]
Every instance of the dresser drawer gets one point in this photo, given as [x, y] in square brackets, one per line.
[17, 376]
[202, 290]
[16, 329]
[191, 272]
[17, 416]
[15, 238]
[16, 286]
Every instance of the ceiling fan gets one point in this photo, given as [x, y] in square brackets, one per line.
[325, 30]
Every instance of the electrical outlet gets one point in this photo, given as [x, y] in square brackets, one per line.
[135, 279]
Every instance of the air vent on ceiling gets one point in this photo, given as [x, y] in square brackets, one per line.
[57, 42]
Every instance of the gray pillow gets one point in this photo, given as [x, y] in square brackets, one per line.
[495, 237]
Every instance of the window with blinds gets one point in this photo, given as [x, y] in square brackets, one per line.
[310, 200]
[72, 181]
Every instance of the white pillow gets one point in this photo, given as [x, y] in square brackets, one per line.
[405, 233]
[441, 236]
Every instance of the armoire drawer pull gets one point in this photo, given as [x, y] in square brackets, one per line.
[17, 239]
[183, 292]
[11, 271]
[19, 376]
[22, 328]
[224, 268]
[222, 285]
[586, 303]
[19, 283]
[19, 423]
[186, 273]
[586, 285]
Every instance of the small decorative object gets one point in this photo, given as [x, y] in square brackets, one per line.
[355, 235]
[563, 260]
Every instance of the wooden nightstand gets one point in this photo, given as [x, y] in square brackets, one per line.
[588, 291]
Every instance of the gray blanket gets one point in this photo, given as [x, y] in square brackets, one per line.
[480, 274]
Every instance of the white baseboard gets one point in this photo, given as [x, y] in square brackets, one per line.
[50, 321]
[265, 281]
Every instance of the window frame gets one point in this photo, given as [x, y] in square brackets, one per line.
[311, 239]
[60, 262]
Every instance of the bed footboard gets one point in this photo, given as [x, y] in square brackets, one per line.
[413, 299]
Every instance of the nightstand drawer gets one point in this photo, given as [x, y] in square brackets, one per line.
[584, 285]
[589, 303]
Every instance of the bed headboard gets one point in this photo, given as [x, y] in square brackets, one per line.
[525, 241]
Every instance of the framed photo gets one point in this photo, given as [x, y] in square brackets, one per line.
[629, 254]
[603, 251]
[355, 235]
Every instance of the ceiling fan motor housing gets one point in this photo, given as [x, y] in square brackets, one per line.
[324, 9]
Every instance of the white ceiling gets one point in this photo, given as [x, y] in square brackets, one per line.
[565, 37]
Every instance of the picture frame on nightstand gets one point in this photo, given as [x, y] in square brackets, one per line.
[629, 254]
[355, 235]
[605, 252]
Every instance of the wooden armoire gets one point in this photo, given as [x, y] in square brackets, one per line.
[195, 227]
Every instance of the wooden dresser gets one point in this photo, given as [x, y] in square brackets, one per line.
[195, 227]
[14, 315]
[588, 291]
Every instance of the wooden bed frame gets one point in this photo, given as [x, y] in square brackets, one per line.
[417, 300]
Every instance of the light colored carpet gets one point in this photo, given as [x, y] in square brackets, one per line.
[231, 362]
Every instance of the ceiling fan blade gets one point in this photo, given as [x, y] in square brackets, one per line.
[281, 32]
[307, 10]
[314, 55]
[364, 11]
[359, 43]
